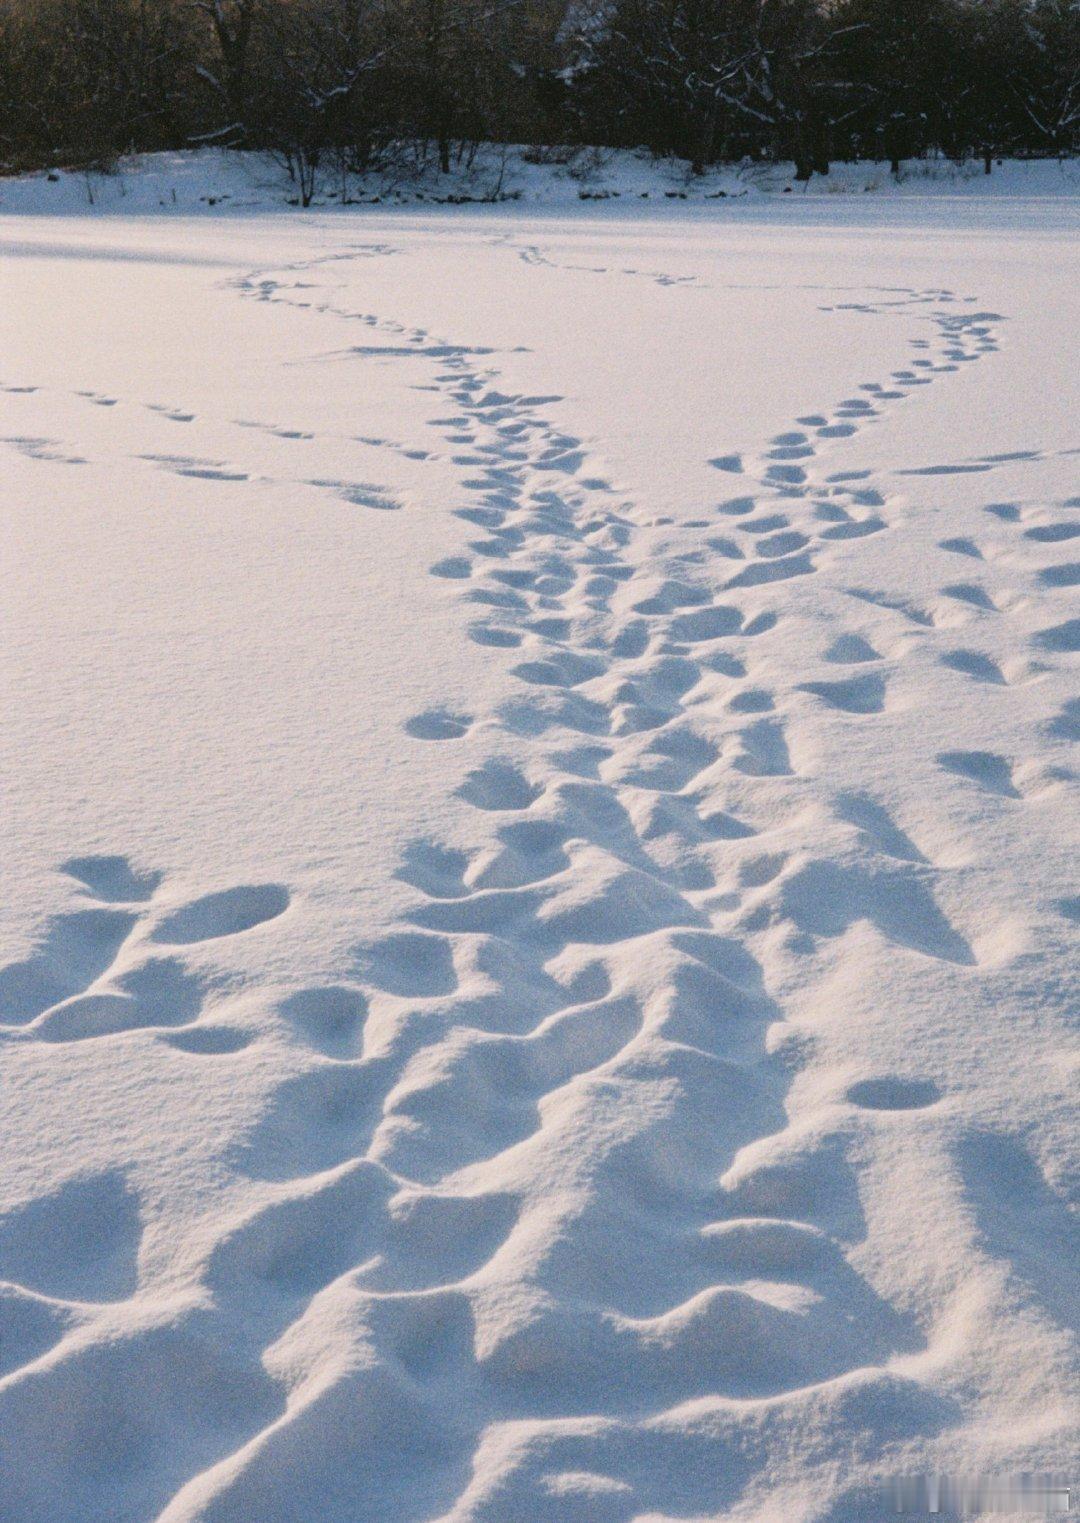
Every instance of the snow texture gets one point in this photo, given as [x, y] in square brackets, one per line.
[539, 918]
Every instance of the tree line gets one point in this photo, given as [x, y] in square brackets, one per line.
[350, 81]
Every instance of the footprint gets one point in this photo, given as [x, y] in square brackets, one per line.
[330, 1019]
[761, 572]
[29, 1324]
[825, 897]
[1066, 724]
[986, 768]
[112, 879]
[502, 639]
[831, 512]
[763, 751]
[563, 669]
[974, 664]
[438, 724]
[42, 449]
[726, 547]
[968, 592]
[851, 649]
[786, 475]
[670, 762]
[867, 815]
[1067, 575]
[769, 524]
[725, 827]
[783, 544]
[454, 568]
[946, 470]
[158, 993]
[895, 604]
[79, 1242]
[1052, 534]
[858, 695]
[855, 529]
[318, 1119]
[962, 547]
[1069, 908]
[1024, 1222]
[76, 951]
[409, 963]
[208, 1041]
[705, 624]
[212, 473]
[498, 785]
[1063, 638]
[757, 871]
[435, 869]
[671, 595]
[225, 913]
[893, 1094]
[362, 494]
[752, 701]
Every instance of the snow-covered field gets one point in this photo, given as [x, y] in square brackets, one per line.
[539, 909]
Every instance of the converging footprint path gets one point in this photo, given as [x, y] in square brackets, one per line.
[578, 1208]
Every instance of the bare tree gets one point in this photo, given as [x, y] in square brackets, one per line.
[231, 23]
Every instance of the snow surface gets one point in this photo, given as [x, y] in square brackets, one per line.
[539, 910]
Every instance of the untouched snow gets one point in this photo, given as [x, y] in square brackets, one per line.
[539, 909]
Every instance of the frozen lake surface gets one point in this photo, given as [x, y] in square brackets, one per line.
[539, 909]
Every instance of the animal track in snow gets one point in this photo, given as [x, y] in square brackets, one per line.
[91, 976]
[438, 724]
[410, 963]
[362, 493]
[202, 470]
[225, 913]
[856, 695]
[847, 650]
[499, 785]
[112, 879]
[986, 768]
[42, 449]
[974, 664]
[893, 1094]
[75, 951]
[585, 969]
[1060, 638]
[78, 1243]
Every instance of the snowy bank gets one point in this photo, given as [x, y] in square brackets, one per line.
[216, 180]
